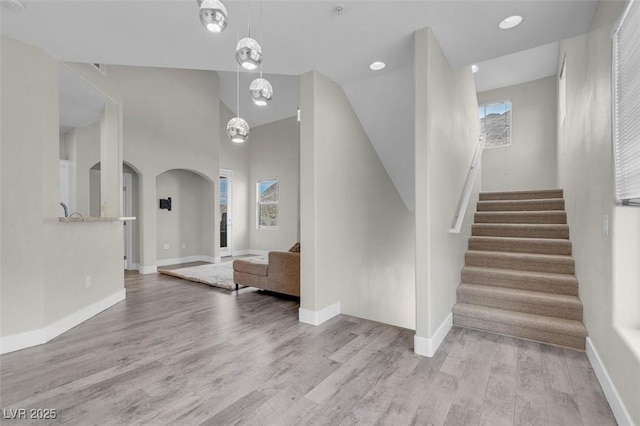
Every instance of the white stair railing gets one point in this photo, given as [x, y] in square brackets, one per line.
[468, 188]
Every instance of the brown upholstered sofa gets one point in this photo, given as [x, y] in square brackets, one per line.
[281, 274]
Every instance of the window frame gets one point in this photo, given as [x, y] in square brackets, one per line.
[484, 134]
[259, 204]
[625, 150]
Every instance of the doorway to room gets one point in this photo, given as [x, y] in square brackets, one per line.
[226, 218]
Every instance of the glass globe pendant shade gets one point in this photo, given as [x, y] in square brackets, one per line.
[249, 54]
[238, 130]
[261, 91]
[213, 15]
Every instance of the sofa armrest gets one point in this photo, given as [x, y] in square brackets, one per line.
[284, 271]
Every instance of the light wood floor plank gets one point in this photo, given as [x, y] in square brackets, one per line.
[182, 353]
[531, 405]
[500, 396]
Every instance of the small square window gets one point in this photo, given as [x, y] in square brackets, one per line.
[495, 124]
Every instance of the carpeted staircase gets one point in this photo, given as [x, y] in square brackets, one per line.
[518, 277]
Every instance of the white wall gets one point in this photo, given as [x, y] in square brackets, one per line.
[84, 148]
[235, 157]
[357, 235]
[181, 228]
[44, 263]
[530, 162]
[274, 152]
[447, 130]
[585, 171]
[170, 121]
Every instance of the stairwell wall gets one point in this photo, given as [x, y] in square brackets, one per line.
[530, 161]
[447, 131]
[585, 170]
[357, 235]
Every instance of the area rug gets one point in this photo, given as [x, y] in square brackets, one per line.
[214, 274]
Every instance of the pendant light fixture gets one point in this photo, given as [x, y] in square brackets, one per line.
[261, 91]
[260, 88]
[248, 50]
[237, 127]
[213, 15]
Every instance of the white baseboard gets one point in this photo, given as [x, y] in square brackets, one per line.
[259, 252]
[135, 267]
[187, 259]
[427, 346]
[613, 397]
[241, 252]
[318, 317]
[177, 260]
[43, 335]
[152, 269]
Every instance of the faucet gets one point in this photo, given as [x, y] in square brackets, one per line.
[66, 210]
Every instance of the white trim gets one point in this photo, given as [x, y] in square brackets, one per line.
[613, 397]
[16, 342]
[37, 337]
[151, 269]
[127, 206]
[229, 250]
[427, 346]
[251, 252]
[318, 317]
[135, 267]
[188, 259]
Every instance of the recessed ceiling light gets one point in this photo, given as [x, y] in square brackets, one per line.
[510, 22]
[474, 68]
[377, 66]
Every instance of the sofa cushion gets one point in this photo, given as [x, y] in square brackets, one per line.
[249, 266]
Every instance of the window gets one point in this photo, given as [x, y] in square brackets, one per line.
[268, 195]
[495, 124]
[626, 105]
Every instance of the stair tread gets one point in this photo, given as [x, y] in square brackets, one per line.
[540, 204]
[521, 319]
[561, 241]
[520, 212]
[522, 195]
[518, 255]
[525, 191]
[520, 244]
[510, 293]
[517, 273]
[521, 230]
[521, 200]
[524, 225]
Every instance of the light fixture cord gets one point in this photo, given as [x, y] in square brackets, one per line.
[238, 81]
[249, 17]
[261, 25]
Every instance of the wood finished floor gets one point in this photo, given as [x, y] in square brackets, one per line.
[183, 353]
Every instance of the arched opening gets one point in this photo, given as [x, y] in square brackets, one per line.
[184, 217]
[130, 208]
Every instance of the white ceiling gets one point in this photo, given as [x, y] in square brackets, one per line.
[302, 35]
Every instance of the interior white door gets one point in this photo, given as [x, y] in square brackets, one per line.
[127, 192]
[226, 210]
